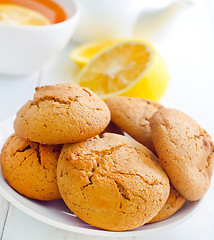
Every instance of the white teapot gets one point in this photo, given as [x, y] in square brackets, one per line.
[101, 19]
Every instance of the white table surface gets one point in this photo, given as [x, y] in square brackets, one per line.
[184, 35]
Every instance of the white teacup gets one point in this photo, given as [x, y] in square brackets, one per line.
[26, 49]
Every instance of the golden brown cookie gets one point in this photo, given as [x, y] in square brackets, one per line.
[112, 182]
[132, 115]
[62, 113]
[174, 202]
[185, 150]
[30, 168]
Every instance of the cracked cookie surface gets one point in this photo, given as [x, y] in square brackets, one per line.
[185, 150]
[30, 168]
[112, 182]
[62, 113]
[133, 116]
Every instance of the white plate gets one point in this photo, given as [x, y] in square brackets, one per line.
[55, 213]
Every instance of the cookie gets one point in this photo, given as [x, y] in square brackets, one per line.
[30, 168]
[132, 115]
[185, 150]
[62, 113]
[112, 182]
[174, 202]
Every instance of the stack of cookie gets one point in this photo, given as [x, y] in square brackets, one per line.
[59, 114]
[61, 148]
[185, 151]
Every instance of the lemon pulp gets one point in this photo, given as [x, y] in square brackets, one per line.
[81, 55]
[129, 68]
[13, 14]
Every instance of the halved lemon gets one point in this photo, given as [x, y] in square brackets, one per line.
[129, 68]
[13, 14]
[82, 54]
